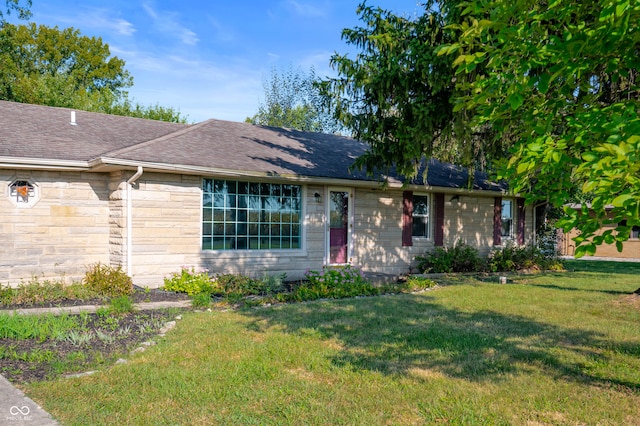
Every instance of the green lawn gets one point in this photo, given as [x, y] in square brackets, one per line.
[559, 348]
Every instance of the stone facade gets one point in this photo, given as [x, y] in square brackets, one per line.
[80, 218]
[59, 234]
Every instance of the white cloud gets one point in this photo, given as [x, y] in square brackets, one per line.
[306, 8]
[216, 88]
[167, 22]
[97, 20]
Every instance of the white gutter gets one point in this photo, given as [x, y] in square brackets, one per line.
[130, 183]
[43, 164]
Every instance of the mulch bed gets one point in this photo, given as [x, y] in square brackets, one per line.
[66, 356]
[139, 295]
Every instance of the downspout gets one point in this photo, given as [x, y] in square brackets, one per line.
[130, 183]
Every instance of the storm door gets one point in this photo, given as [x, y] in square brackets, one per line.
[339, 215]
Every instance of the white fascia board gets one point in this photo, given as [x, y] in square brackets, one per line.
[43, 164]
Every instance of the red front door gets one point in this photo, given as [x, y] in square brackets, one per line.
[338, 226]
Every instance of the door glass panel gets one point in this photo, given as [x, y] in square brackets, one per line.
[338, 226]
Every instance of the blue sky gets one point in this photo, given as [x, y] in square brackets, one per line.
[208, 59]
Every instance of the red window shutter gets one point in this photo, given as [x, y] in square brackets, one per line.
[407, 218]
[438, 234]
[521, 222]
[497, 221]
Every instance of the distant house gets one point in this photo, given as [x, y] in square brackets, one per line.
[630, 251]
[152, 196]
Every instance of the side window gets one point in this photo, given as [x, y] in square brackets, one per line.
[507, 219]
[420, 216]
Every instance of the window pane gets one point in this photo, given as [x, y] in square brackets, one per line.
[206, 243]
[242, 243]
[207, 200]
[295, 243]
[243, 187]
[419, 227]
[420, 216]
[420, 205]
[507, 218]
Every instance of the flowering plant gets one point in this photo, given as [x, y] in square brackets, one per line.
[189, 281]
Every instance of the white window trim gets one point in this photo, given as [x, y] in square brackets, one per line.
[429, 216]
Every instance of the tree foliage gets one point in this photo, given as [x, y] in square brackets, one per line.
[21, 8]
[561, 81]
[49, 66]
[292, 100]
[397, 94]
[152, 112]
[545, 93]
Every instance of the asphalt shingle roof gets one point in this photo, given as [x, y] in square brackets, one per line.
[33, 131]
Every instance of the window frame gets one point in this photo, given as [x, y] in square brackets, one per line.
[244, 216]
[510, 236]
[426, 215]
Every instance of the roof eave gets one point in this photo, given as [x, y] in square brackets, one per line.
[108, 164]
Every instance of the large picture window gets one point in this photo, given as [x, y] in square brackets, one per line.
[250, 215]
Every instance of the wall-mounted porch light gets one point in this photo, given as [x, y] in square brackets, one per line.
[318, 197]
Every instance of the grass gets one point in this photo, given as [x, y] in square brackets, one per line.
[558, 348]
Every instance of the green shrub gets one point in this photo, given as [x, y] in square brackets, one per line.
[121, 305]
[201, 300]
[416, 283]
[241, 285]
[189, 281]
[517, 258]
[333, 282]
[273, 284]
[107, 280]
[459, 258]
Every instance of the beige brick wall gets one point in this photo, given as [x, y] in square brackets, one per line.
[166, 223]
[59, 235]
[378, 229]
